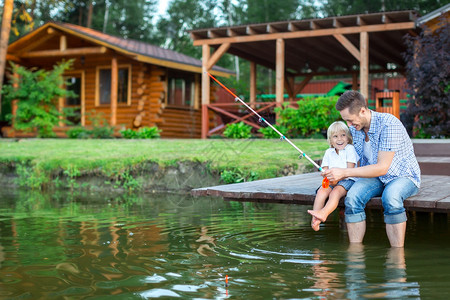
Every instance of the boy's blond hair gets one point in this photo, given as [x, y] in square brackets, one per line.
[336, 127]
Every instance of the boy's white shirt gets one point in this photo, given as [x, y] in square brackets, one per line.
[332, 159]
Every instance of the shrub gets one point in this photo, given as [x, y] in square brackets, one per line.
[100, 129]
[427, 60]
[236, 175]
[238, 131]
[149, 132]
[100, 126]
[312, 116]
[77, 133]
[37, 94]
[269, 133]
[129, 133]
[142, 133]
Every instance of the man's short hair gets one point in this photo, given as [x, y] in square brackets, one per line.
[353, 100]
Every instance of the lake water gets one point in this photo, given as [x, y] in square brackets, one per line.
[92, 246]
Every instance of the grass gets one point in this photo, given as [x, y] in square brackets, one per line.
[266, 157]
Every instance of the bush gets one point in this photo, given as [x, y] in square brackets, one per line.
[238, 131]
[78, 133]
[427, 80]
[100, 129]
[269, 133]
[312, 117]
[37, 94]
[236, 175]
[142, 133]
[149, 132]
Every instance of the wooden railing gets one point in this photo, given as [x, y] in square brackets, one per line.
[221, 110]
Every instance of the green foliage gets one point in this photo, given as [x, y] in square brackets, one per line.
[100, 129]
[238, 131]
[126, 181]
[312, 116]
[72, 172]
[37, 94]
[129, 133]
[78, 132]
[100, 126]
[269, 133]
[236, 175]
[141, 133]
[428, 83]
[31, 177]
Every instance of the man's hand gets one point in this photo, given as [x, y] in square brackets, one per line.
[334, 174]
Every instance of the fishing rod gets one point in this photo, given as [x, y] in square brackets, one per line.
[325, 182]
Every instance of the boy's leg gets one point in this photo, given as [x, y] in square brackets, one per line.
[319, 202]
[357, 197]
[333, 200]
[392, 199]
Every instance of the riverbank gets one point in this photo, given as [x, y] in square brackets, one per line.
[148, 165]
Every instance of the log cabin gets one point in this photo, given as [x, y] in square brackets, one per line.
[132, 83]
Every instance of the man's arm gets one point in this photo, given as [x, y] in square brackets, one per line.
[370, 171]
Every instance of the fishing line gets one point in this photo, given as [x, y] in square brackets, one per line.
[325, 181]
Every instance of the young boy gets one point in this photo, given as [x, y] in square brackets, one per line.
[342, 154]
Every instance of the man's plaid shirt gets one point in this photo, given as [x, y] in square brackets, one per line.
[387, 133]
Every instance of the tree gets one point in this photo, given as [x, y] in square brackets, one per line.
[6, 28]
[37, 95]
[348, 7]
[183, 15]
[427, 78]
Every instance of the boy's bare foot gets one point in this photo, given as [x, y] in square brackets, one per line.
[319, 214]
[315, 224]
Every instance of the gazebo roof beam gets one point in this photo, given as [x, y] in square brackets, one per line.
[255, 36]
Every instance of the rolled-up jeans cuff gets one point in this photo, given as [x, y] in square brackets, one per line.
[395, 219]
[355, 218]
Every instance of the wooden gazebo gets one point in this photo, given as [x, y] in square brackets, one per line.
[353, 45]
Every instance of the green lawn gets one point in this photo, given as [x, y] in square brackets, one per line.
[266, 157]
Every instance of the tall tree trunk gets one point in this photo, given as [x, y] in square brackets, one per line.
[89, 16]
[4, 38]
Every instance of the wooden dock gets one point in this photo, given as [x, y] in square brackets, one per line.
[434, 194]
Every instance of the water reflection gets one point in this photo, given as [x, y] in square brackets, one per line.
[327, 282]
[143, 246]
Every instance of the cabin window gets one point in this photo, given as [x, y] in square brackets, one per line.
[74, 82]
[181, 89]
[123, 85]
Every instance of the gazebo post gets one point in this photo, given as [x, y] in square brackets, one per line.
[364, 64]
[280, 60]
[205, 90]
[252, 84]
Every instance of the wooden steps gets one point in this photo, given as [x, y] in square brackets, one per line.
[433, 156]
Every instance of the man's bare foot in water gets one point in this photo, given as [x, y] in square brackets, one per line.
[315, 224]
[319, 214]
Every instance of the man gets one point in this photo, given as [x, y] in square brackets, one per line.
[388, 168]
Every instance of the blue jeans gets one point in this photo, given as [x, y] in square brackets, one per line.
[392, 196]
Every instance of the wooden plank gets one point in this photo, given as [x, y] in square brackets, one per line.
[280, 61]
[305, 33]
[217, 55]
[434, 194]
[364, 64]
[67, 52]
[205, 90]
[348, 45]
[114, 84]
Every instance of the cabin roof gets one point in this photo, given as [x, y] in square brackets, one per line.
[138, 50]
